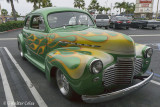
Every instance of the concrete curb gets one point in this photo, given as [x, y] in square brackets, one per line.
[10, 30]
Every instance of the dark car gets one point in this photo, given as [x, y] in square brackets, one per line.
[120, 22]
[145, 24]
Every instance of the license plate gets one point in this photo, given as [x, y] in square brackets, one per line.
[124, 22]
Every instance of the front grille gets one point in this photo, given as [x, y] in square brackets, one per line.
[119, 74]
[138, 66]
[122, 72]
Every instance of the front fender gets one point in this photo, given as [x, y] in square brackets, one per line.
[140, 54]
[74, 62]
[21, 42]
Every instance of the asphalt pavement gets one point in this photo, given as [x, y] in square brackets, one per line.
[38, 91]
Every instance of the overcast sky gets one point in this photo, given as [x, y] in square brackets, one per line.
[23, 7]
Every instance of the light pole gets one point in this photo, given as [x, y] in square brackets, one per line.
[157, 10]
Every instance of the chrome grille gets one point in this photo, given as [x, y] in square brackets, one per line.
[138, 66]
[119, 74]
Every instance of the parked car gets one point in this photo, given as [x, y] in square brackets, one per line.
[102, 20]
[97, 64]
[20, 18]
[120, 22]
[145, 24]
[10, 18]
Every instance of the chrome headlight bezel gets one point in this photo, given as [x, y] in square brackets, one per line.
[96, 66]
[148, 52]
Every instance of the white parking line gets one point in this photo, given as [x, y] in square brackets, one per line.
[155, 82]
[8, 38]
[145, 35]
[31, 87]
[7, 89]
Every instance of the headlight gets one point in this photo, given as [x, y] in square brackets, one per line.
[96, 66]
[148, 52]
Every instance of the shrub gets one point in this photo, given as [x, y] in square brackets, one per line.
[11, 25]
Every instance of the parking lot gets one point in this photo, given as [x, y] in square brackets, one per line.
[24, 84]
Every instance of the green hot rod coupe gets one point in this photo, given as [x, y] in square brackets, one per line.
[96, 64]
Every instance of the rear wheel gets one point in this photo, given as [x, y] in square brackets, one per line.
[140, 27]
[64, 86]
[127, 27]
[114, 26]
[106, 27]
[153, 27]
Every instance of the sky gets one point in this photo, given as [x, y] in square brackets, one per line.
[23, 7]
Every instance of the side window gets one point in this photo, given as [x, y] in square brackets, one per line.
[37, 22]
[27, 22]
[72, 21]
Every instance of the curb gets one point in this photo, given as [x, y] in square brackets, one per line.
[10, 30]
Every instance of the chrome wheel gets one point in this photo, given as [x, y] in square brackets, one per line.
[62, 83]
[21, 53]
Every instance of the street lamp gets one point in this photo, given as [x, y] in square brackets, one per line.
[157, 10]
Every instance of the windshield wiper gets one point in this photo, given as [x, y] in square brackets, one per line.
[64, 26]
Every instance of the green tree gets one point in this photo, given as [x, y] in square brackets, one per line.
[94, 5]
[34, 3]
[13, 9]
[40, 3]
[107, 9]
[129, 7]
[100, 9]
[46, 3]
[79, 4]
[4, 12]
[119, 6]
[16, 13]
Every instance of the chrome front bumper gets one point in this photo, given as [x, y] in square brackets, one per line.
[116, 94]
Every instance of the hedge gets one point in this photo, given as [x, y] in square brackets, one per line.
[11, 25]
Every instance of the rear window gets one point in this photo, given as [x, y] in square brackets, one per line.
[121, 18]
[102, 17]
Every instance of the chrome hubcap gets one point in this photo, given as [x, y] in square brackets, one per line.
[62, 83]
[21, 53]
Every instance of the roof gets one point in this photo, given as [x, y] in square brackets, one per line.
[48, 10]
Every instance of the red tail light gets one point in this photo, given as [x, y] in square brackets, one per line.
[128, 21]
[109, 20]
[119, 22]
[95, 21]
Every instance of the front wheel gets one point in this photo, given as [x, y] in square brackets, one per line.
[64, 86]
[21, 51]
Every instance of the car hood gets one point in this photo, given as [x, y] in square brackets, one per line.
[109, 41]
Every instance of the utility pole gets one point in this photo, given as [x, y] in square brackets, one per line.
[157, 10]
[0, 9]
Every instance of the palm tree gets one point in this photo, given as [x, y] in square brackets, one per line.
[46, 3]
[129, 7]
[13, 9]
[34, 3]
[40, 3]
[107, 9]
[79, 4]
[94, 5]
[119, 5]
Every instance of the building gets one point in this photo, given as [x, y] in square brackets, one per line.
[144, 9]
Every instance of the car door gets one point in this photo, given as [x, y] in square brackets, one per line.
[35, 38]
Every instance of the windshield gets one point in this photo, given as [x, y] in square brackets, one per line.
[122, 18]
[56, 20]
